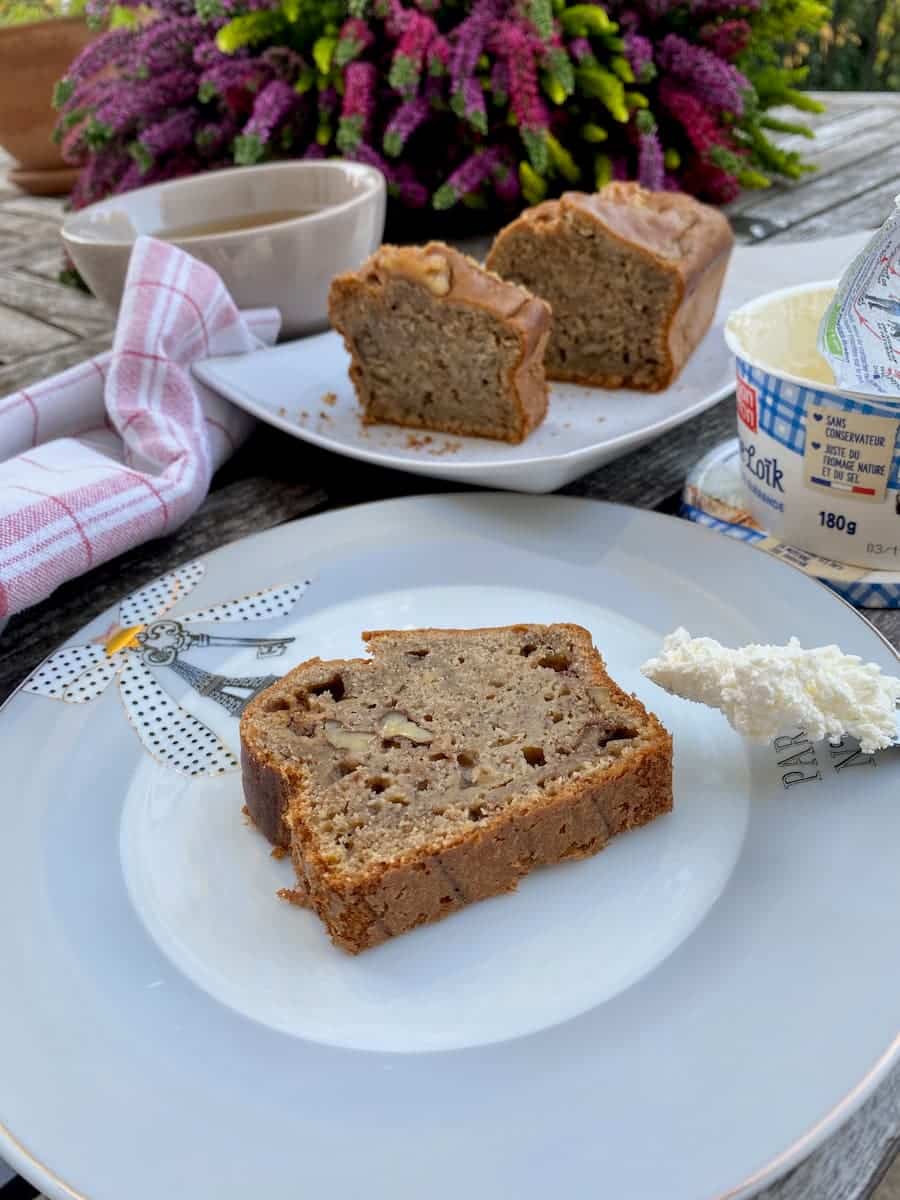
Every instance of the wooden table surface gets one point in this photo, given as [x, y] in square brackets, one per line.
[45, 327]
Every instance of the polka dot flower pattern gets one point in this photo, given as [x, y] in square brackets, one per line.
[146, 639]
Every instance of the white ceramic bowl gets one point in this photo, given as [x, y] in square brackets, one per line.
[289, 264]
[821, 468]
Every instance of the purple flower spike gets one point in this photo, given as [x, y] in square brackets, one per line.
[716, 83]
[100, 53]
[172, 133]
[354, 39]
[468, 103]
[469, 39]
[275, 102]
[518, 51]
[167, 43]
[409, 57]
[651, 169]
[466, 179]
[364, 153]
[360, 80]
[410, 191]
[715, 8]
[727, 39]
[403, 124]
[144, 100]
[500, 81]
[580, 49]
[506, 182]
[639, 52]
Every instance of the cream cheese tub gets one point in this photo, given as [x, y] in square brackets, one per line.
[820, 466]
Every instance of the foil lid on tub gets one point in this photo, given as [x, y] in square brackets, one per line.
[820, 466]
[714, 496]
[859, 334]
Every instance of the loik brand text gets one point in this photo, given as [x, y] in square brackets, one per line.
[765, 469]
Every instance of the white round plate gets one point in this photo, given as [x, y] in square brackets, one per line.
[683, 1016]
[584, 428]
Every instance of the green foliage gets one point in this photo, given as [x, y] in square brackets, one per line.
[853, 45]
[26, 12]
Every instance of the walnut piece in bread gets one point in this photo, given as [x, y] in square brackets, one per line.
[437, 342]
[445, 768]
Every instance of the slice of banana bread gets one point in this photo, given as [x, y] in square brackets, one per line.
[436, 342]
[444, 768]
[633, 279]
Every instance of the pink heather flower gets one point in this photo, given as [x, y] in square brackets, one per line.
[698, 123]
[728, 39]
[716, 83]
[439, 54]
[360, 79]
[639, 52]
[409, 56]
[359, 90]
[651, 170]
[354, 39]
[403, 124]
[516, 48]
[394, 16]
[709, 182]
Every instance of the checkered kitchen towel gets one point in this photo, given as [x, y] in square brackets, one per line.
[121, 449]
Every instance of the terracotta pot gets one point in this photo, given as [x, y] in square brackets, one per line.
[32, 59]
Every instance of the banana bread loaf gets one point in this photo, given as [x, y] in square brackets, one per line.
[633, 279]
[444, 768]
[436, 342]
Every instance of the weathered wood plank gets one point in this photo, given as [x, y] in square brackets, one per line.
[22, 335]
[53, 303]
[866, 211]
[28, 370]
[790, 206]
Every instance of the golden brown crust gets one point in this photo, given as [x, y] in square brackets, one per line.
[573, 819]
[688, 240]
[455, 279]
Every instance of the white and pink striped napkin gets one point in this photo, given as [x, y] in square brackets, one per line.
[122, 448]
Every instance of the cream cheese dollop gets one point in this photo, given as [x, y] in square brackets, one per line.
[765, 690]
